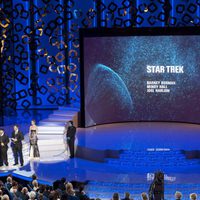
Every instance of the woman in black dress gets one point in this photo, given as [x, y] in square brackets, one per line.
[33, 131]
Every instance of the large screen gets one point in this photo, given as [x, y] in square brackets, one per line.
[147, 77]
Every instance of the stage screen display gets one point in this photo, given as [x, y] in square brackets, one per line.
[141, 78]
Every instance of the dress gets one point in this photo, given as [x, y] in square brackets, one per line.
[34, 150]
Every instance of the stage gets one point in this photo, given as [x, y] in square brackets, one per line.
[135, 63]
[129, 155]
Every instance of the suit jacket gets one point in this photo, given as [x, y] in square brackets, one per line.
[71, 132]
[19, 136]
[5, 140]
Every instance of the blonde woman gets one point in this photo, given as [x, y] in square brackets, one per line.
[33, 131]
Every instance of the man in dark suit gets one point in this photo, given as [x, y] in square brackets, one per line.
[71, 132]
[17, 138]
[4, 140]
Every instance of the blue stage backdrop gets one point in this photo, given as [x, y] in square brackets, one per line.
[142, 78]
[41, 50]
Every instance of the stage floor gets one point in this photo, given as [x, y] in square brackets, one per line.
[143, 148]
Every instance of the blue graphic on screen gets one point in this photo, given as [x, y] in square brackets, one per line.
[142, 78]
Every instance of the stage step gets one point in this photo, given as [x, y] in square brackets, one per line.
[61, 115]
[53, 123]
[69, 109]
[50, 137]
[53, 159]
[52, 128]
[64, 112]
[57, 119]
[136, 159]
[50, 149]
[50, 132]
[48, 142]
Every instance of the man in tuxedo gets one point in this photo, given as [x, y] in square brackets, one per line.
[71, 132]
[4, 140]
[17, 138]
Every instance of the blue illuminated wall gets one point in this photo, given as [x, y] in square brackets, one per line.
[41, 52]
